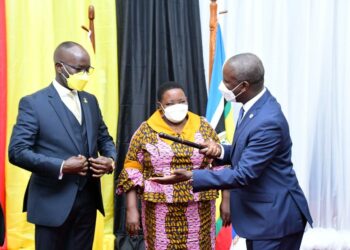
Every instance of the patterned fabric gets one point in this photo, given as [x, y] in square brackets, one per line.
[173, 216]
[149, 156]
[179, 225]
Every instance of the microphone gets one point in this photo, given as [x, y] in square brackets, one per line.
[180, 140]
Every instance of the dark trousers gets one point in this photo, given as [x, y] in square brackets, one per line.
[289, 242]
[77, 232]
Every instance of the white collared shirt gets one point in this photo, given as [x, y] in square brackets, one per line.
[70, 98]
[246, 108]
[252, 101]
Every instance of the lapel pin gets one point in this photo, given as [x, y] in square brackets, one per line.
[84, 100]
[251, 116]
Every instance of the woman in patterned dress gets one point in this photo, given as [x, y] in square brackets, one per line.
[173, 217]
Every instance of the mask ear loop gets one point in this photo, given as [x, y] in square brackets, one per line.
[160, 108]
[242, 91]
[66, 72]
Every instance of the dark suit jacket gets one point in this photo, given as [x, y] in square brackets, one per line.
[41, 139]
[266, 199]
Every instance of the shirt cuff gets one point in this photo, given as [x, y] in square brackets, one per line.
[221, 157]
[61, 173]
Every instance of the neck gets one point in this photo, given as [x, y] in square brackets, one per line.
[177, 127]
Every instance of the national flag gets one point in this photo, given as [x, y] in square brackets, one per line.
[3, 106]
[215, 109]
[215, 105]
[31, 38]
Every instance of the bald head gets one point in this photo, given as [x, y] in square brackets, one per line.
[69, 57]
[246, 67]
[69, 51]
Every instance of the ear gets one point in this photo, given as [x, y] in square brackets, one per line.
[159, 106]
[59, 67]
[245, 83]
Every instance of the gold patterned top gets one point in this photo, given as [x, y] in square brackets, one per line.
[149, 155]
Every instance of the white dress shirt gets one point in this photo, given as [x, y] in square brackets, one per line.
[246, 108]
[71, 99]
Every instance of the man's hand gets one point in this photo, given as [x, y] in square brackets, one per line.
[75, 165]
[212, 149]
[101, 165]
[178, 175]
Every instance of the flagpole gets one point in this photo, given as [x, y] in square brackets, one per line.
[212, 26]
[91, 25]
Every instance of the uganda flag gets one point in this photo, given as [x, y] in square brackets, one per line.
[29, 33]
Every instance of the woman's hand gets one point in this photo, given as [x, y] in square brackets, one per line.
[132, 221]
[225, 213]
[132, 213]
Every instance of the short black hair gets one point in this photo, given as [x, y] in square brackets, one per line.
[167, 86]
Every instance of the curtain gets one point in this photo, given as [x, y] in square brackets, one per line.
[34, 29]
[158, 41]
[304, 47]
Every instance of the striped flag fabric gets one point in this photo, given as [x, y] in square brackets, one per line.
[215, 105]
[27, 42]
[3, 106]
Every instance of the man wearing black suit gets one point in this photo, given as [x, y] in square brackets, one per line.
[61, 138]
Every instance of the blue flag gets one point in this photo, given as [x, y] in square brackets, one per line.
[215, 106]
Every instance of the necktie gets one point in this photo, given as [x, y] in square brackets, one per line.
[240, 116]
[74, 106]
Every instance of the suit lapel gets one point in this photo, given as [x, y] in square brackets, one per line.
[85, 107]
[57, 105]
[251, 114]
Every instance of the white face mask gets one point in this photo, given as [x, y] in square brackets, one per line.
[228, 94]
[176, 113]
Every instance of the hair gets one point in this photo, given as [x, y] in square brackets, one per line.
[167, 86]
[248, 67]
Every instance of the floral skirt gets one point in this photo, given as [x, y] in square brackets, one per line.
[171, 226]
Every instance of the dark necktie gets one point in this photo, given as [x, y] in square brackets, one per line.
[240, 116]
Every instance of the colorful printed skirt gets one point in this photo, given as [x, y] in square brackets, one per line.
[169, 226]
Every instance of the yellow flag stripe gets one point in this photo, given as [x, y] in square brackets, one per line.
[32, 36]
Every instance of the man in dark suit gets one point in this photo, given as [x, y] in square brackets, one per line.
[268, 207]
[61, 138]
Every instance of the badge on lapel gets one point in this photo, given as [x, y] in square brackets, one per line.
[85, 100]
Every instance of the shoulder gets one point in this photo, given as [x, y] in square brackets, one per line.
[88, 96]
[37, 97]
[204, 122]
[141, 133]
[271, 115]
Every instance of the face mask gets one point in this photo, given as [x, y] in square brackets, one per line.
[228, 94]
[176, 113]
[76, 81]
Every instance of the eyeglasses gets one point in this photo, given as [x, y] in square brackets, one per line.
[89, 69]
